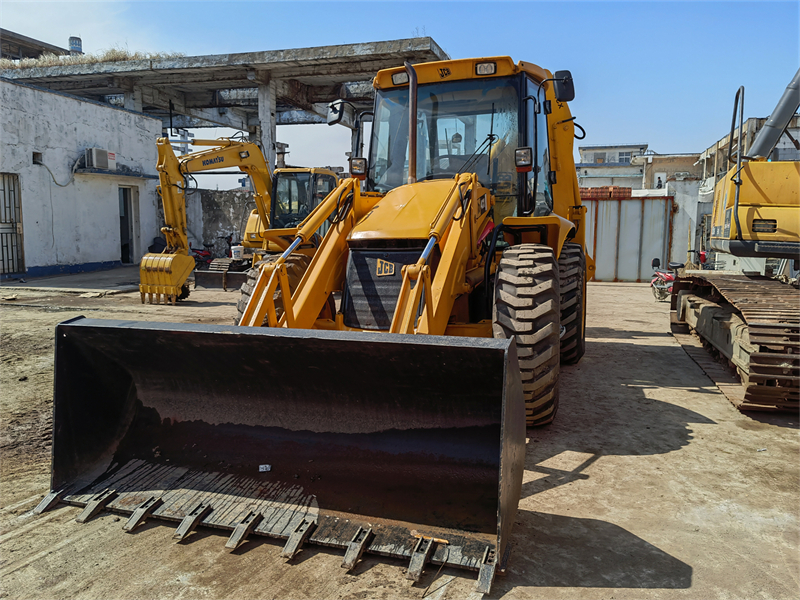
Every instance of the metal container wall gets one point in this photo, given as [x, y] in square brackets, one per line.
[626, 234]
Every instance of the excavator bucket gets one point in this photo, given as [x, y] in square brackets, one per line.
[164, 275]
[399, 445]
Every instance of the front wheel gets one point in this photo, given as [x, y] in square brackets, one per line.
[659, 293]
[527, 307]
[572, 279]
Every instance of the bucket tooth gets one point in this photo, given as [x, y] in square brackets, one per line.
[421, 554]
[191, 521]
[298, 538]
[243, 529]
[356, 547]
[144, 510]
[487, 571]
[96, 504]
[48, 502]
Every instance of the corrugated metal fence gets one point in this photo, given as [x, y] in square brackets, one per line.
[625, 234]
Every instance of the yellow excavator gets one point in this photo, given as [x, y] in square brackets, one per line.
[377, 401]
[752, 320]
[296, 192]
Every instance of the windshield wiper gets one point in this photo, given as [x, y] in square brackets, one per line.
[486, 144]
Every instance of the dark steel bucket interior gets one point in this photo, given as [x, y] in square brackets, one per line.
[418, 429]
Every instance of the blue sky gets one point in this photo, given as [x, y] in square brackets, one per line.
[663, 73]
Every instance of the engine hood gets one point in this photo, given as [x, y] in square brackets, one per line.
[405, 212]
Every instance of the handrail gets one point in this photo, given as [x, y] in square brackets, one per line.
[737, 178]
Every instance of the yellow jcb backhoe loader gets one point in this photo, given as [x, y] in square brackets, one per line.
[395, 423]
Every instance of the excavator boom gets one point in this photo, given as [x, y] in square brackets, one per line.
[164, 275]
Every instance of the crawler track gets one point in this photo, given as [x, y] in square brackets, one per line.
[766, 351]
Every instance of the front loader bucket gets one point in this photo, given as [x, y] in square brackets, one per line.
[399, 445]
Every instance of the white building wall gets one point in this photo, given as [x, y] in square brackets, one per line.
[76, 227]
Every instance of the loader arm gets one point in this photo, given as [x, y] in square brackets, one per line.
[460, 222]
[302, 307]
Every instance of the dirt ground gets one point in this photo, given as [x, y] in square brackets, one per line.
[648, 485]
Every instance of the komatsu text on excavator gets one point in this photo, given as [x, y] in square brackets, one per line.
[374, 396]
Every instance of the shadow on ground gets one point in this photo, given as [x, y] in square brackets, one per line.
[614, 415]
[573, 552]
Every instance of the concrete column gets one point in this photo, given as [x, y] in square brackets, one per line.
[267, 112]
[133, 99]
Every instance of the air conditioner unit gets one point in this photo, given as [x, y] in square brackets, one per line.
[97, 158]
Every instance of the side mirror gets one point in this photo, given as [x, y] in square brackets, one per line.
[564, 87]
[656, 263]
[341, 112]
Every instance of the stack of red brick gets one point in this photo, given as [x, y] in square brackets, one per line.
[609, 191]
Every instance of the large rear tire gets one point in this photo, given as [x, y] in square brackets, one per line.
[572, 276]
[526, 307]
[296, 266]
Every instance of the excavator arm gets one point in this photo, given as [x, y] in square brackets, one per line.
[165, 274]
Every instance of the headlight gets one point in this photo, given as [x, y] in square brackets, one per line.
[523, 159]
[487, 68]
[400, 78]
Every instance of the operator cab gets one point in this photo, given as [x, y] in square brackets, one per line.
[470, 125]
[295, 193]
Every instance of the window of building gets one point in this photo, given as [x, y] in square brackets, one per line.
[625, 158]
[599, 157]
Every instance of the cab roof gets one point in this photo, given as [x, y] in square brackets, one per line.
[460, 69]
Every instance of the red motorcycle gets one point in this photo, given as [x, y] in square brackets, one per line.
[662, 281]
[202, 258]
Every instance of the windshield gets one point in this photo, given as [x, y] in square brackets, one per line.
[462, 126]
[291, 199]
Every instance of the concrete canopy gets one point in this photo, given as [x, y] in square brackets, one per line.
[223, 90]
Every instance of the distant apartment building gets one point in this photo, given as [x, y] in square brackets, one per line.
[601, 166]
[658, 169]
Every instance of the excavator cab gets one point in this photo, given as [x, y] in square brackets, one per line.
[757, 202]
[296, 192]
